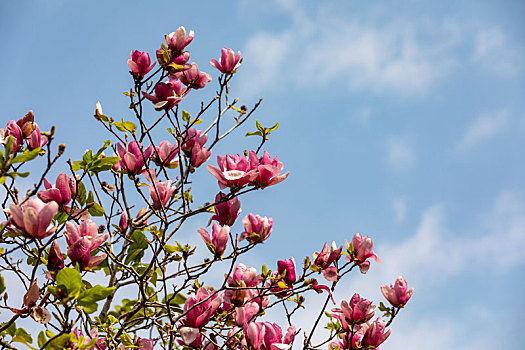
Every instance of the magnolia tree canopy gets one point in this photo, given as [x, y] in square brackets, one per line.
[126, 280]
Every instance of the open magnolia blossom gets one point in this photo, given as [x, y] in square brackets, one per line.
[128, 223]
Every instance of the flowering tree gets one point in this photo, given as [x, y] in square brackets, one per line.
[117, 211]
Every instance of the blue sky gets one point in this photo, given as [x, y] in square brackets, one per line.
[402, 120]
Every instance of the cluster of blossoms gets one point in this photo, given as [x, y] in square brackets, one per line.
[354, 318]
[192, 315]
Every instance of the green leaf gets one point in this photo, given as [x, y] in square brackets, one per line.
[137, 247]
[15, 174]
[71, 280]
[259, 126]
[107, 143]
[27, 156]
[185, 116]
[81, 193]
[178, 299]
[88, 298]
[253, 133]
[103, 164]
[96, 209]
[9, 146]
[59, 343]
[87, 157]
[90, 198]
[41, 339]
[77, 165]
[2, 284]
[125, 339]
[125, 126]
[2, 180]
[273, 128]
[21, 336]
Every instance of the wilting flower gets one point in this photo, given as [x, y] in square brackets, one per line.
[61, 192]
[226, 212]
[256, 228]
[132, 160]
[398, 294]
[178, 40]
[325, 258]
[34, 217]
[140, 63]
[55, 260]
[193, 78]
[193, 147]
[82, 240]
[268, 336]
[234, 171]
[229, 61]
[268, 170]
[167, 95]
[358, 310]
[360, 250]
[375, 334]
[161, 192]
[165, 154]
[197, 316]
[217, 243]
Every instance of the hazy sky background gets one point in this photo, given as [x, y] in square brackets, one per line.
[402, 120]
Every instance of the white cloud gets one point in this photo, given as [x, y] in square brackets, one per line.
[399, 206]
[486, 126]
[493, 51]
[400, 154]
[391, 56]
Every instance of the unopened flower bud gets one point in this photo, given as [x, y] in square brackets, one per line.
[61, 148]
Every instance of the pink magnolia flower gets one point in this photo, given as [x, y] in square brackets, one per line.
[347, 343]
[93, 334]
[325, 258]
[12, 129]
[229, 61]
[178, 39]
[165, 154]
[123, 222]
[226, 212]
[36, 139]
[176, 59]
[160, 193]
[398, 294]
[358, 310]
[246, 313]
[375, 334]
[167, 95]
[288, 268]
[217, 243]
[360, 250]
[34, 217]
[132, 160]
[243, 277]
[140, 63]
[27, 124]
[55, 260]
[268, 336]
[140, 344]
[198, 313]
[193, 78]
[256, 228]
[234, 171]
[82, 240]
[268, 170]
[193, 147]
[61, 192]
